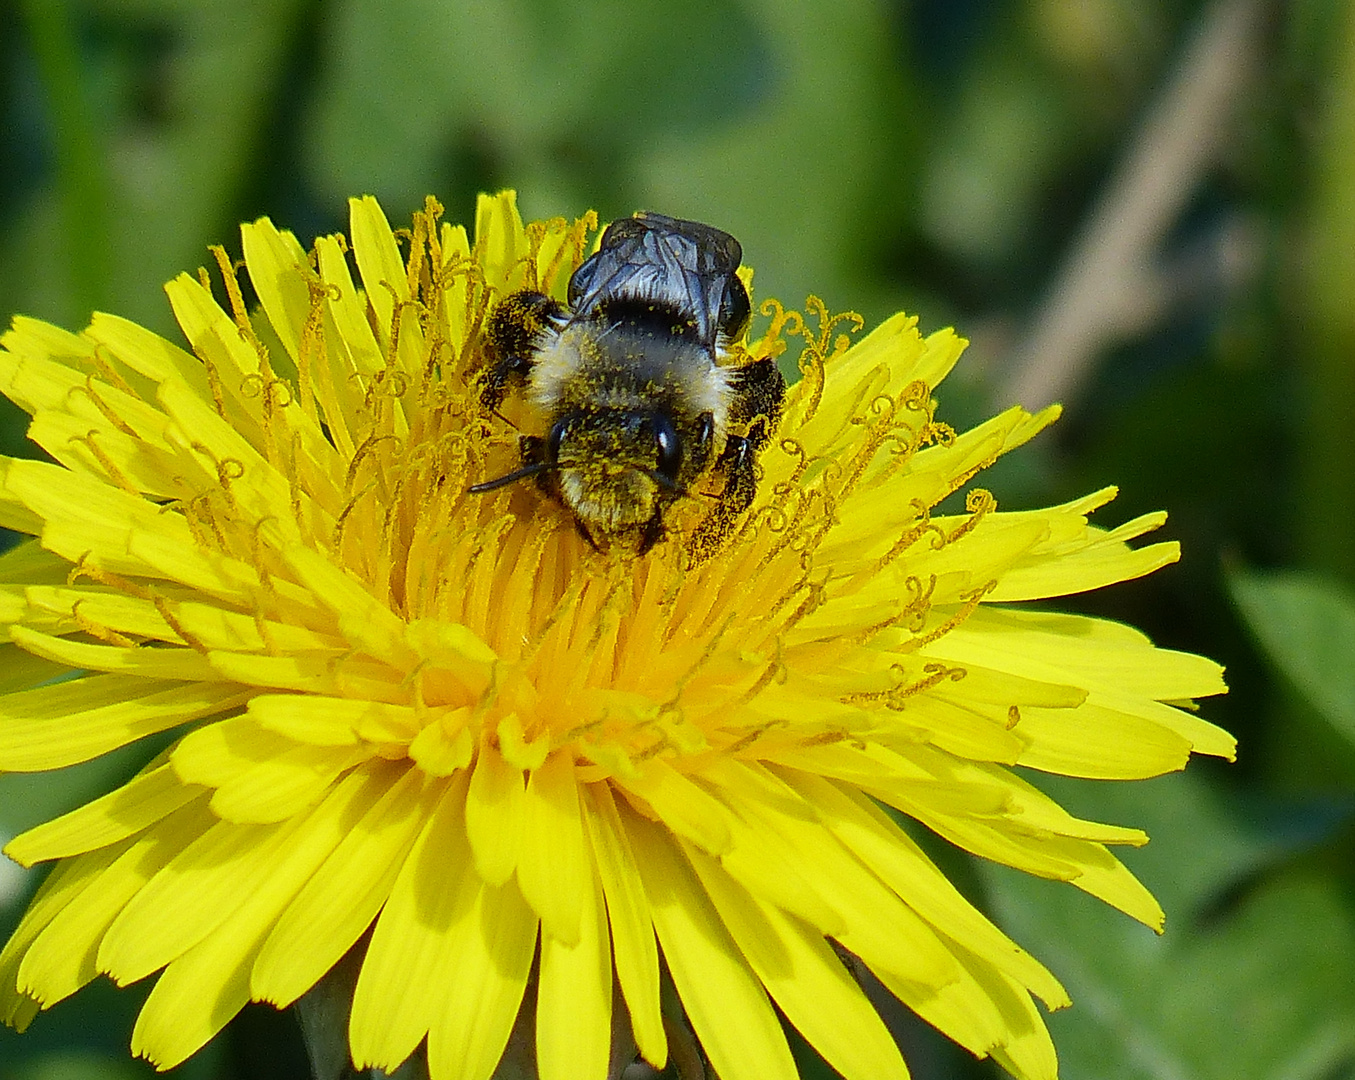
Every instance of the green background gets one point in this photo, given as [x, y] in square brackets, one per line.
[1171, 183]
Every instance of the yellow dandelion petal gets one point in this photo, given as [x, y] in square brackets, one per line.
[633, 946]
[342, 897]
[403, 983]
[1026, 1050]
[154, 794]
[803, 976]
[574, 993]
[65, 955]
[558, 781]
[489, 957]
[274, 257]
[209, 983]
[59, 724]
[190, 897]
[494, 813]
[863, 827]
[74, 965]
[554, 869]
[723, 996]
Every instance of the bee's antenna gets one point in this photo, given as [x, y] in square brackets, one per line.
[535, 469]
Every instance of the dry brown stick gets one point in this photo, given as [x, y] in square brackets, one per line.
[1111, 284]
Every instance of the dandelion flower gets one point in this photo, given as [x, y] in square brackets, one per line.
[518, 772]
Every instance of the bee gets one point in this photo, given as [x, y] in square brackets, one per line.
[634, 384]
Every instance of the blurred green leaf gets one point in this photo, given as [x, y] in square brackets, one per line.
[1265, 995]
[1306, 625]
[180, 93]
[1201, 848]
[1255, 991]
[74, 1065]
[26, 799]
[560, 91]
[774, 119]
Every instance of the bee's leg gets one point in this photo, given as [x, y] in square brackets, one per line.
[759, 391]
[696, 454]
[512, 334]
[532, 451]
[651, 532]
[582, 530]
[738, 463]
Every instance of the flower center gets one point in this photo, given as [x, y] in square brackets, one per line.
[504, 619]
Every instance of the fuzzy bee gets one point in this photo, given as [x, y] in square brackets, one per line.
[634, 386]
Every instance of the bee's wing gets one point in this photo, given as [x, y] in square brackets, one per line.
[682, 265]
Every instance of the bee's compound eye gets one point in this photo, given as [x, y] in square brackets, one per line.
[735, 309]
[670, 447]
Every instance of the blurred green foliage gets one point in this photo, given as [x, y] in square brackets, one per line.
[1306, 625]
[934, 155]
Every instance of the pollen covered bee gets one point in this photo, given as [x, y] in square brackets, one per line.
[634, 385]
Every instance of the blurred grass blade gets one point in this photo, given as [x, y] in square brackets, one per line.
[81, 162]
[1306, 625]
[1325, 317]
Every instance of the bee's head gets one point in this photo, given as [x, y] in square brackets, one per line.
[614, 467]
[636, 440]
